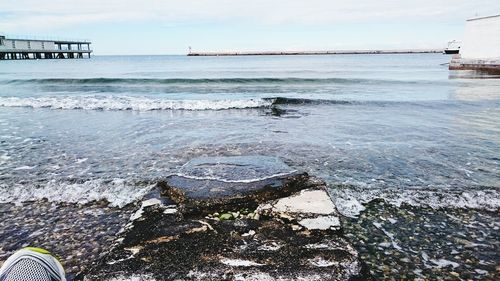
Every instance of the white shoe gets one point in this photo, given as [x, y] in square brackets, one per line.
[32, 264]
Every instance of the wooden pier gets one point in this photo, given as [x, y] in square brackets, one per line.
[301, 53]
[20, 48]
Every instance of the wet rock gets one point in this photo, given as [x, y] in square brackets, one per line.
[209, 183]
[215, 236]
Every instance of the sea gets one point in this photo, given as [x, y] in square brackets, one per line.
[410, 150]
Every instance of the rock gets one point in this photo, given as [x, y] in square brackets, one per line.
[263, 245]
[225, 217]
[209, 183]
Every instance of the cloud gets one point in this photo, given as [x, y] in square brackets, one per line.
[21, 15]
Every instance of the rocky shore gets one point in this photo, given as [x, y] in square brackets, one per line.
[278, 224]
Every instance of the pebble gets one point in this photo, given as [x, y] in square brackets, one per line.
[226, 216]
[77, 234]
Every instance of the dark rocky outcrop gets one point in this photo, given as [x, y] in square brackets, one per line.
[283, 227]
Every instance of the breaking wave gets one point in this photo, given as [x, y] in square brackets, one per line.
[350, 200]
[129, 103]
[148, 103]
[117, 192]
[112, 102]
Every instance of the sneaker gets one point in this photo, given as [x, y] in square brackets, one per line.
[32, 264]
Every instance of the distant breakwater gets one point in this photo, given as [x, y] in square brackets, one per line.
[298, 53]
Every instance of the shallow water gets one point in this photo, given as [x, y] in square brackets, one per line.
[411, 243]
[397, 127]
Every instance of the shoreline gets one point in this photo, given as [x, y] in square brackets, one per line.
[299, 53]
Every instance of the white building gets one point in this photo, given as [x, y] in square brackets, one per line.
[482, 38]
[480, 46]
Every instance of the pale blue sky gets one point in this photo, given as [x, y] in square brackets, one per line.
[170, 26]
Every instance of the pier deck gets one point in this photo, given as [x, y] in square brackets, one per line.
[20, 48]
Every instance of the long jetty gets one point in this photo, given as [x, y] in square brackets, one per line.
[299, 53]
[22, 48]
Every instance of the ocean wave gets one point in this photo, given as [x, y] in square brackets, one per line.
[145, 103]
[117, 192]
[303, 101]
[351, 201]
[188, 81]
[129, 103]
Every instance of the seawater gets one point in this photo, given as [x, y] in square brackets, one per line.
[397, 128]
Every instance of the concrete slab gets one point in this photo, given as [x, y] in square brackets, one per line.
[293, 234]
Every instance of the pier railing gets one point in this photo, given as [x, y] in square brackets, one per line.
[43, 38]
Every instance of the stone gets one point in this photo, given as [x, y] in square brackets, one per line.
[208, 183]
[225, 216]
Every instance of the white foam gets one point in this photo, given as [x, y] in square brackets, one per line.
[348, 206]
[349, 201]
[444, 263]
[4, 158]
[117, 192]
[388, 234]
[109, 102]
[24, 168]
[277, 175]
[81, 160]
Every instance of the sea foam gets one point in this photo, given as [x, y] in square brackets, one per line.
[350, 201]
[117, 192]
[109, 102]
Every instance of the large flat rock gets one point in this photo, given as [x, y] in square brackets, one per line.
[210, 182]
[289, 230]
[236, 169]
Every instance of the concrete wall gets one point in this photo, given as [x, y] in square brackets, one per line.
[481, 38]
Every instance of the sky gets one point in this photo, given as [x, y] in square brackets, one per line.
[155, 27]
